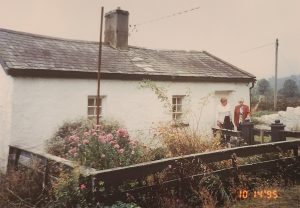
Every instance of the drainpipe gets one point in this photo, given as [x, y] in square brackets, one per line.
[253, 82]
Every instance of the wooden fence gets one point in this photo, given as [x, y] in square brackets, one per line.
[48, 165]
[248, 133]
[113, 180]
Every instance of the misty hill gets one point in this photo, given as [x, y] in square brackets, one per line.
[280, 81]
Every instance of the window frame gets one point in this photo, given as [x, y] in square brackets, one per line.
[177, 115]
[94, 106]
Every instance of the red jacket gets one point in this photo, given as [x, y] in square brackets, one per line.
[245, 114]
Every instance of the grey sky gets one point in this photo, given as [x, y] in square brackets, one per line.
[226, 28]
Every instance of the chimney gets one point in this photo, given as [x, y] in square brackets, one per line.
[116, 28]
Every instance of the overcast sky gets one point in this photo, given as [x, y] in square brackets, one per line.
[233, 30]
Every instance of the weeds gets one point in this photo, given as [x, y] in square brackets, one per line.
[22, 188]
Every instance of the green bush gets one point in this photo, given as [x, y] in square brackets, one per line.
[283, 103]
[69, 191]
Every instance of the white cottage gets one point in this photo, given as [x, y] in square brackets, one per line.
[45, 81]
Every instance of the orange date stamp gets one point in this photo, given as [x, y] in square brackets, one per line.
[258, 194]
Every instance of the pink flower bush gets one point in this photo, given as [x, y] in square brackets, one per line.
[73, 150]
[86, 134]
[116, 146]
[121, 151]
[100, 148]
[133, 143]
[73, 139]
[122, 133]
[109, 137]
[102, 139]
[82, 187]
[85, 141]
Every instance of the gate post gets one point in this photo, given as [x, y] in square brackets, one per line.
[276, 131]
[13, 158]
[247, 131]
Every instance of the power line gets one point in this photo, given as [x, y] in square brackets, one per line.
[133, 26]
[258, 47]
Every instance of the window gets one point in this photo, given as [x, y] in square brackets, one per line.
[177, 107]
[92, 106]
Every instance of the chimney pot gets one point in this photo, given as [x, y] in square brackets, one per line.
[116, 28]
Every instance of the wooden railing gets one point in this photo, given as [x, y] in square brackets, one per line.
[294, 134]
[248, 132]
[49, 166]
[113, 178]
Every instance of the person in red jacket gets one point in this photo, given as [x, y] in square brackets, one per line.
[241, 112]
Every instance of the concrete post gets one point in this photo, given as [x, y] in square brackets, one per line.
[247, 131]
[276, 131]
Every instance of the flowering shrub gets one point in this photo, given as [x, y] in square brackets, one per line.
[102, 150]
[57, 145]
[106, 146]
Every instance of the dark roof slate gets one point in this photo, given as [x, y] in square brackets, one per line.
[22, 52]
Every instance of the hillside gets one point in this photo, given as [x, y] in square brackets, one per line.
[280, 81]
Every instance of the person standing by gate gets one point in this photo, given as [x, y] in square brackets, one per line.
[223, 117]
[241, 112]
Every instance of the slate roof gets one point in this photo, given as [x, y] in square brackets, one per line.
[27, 54]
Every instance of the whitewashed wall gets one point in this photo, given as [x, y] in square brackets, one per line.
[41, 105]
[6, 85]
[33, 109]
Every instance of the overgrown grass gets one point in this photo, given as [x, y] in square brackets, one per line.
[23, 188]
[184, 141]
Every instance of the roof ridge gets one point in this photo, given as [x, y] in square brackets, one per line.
[45, 36]
[225, 62]
[164, 50]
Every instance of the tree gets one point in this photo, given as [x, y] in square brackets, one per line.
[262, 95]
[289, 89]
[263, 87]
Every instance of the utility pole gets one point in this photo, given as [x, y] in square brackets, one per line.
[276, 64]
[99, 69]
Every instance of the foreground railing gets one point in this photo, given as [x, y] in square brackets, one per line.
[113, 179]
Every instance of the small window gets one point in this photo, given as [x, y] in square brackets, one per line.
[92, 107]
[177, 111]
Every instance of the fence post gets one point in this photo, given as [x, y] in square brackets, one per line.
[235, 168]
[46, 174]
[295, 151]
[13, 158]
[277, 133]
[261, 135]
[247, 131]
